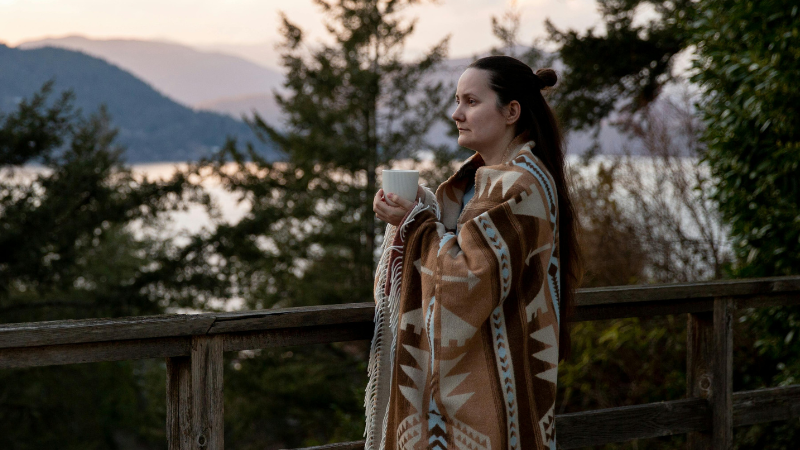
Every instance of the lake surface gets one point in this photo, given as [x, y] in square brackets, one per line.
[233, 209]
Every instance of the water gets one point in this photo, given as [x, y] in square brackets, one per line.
[233, 209]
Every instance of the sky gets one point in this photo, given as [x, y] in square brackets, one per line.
[206, 23]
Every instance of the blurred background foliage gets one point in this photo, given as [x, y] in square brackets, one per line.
[80, 239]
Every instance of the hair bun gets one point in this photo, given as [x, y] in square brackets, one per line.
[547, 76]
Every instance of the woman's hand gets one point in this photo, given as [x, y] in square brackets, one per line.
[392, 208]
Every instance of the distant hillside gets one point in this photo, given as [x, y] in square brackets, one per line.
[577, 142]
[234, 86]
[264, 54]
[182, 73]
[264, 104]
[151, 126]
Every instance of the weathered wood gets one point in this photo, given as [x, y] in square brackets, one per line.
[309, 316]
[591, 304]
[175, 325]
[722, 378]
[299, 336]
[675, 306]
[194, 385]
[641, 309]
[179, 403]
[686, 291]
[766, 405]
[207, 400]
[132, 349]
[699, 370]
[174, 347]
[93, 352]
[61, 332]
[592, 428]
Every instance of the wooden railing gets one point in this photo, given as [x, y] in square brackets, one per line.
[193, 346]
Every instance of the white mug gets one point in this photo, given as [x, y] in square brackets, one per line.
[401, 182]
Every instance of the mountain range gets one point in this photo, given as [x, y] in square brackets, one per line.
[234, 81]
[151, 126]
[186, 75]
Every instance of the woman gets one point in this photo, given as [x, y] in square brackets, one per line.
[475, 285]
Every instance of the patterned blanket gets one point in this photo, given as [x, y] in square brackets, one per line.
[465, 352]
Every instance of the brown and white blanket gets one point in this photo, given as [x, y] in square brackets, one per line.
[465, 352]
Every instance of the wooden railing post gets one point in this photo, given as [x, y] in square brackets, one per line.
[722, 391]
[179, 403]
[207, 400]
[709, 372]
[699, 369]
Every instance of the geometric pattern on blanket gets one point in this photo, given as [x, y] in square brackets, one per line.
[466, 348]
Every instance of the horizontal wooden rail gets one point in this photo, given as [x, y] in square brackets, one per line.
[93, 340]
[656, 300]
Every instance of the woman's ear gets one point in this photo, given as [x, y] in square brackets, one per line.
[513, 111]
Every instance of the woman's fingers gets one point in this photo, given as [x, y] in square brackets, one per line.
[400, 201]
[390, 214]
[377, 200]
[387, 210]
[390, 208]
[379, 204]
[387, 198]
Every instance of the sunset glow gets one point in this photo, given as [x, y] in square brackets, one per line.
[206, 23]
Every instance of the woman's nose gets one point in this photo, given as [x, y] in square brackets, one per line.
[457, 115]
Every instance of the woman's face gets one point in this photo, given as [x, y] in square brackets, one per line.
[481, 126]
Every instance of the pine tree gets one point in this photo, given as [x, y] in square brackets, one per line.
[351, 106]
[68, 250]
[623, 67]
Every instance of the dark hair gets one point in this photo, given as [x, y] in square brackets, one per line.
[512, 79]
